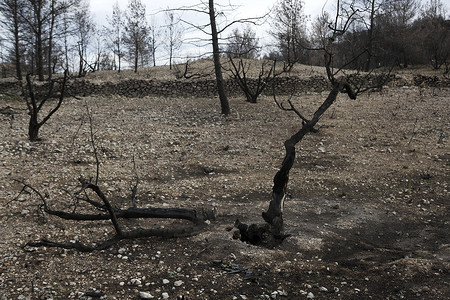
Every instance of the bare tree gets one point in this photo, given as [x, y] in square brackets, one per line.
[42, 18]
[173, 35]
[84, 27]
[114, 33]
[242, 44]
[10, 10]
[368, 11]
[135, 36]
[214, 34]
[288, 29]
[35, 101]
[155, 35]
[340, 83]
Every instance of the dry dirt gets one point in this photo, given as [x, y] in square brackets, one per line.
[368, 205]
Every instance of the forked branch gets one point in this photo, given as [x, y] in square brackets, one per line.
[108, 212]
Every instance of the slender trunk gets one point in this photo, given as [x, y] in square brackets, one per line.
[370, 37]
[225, 106]
[136, 57]
[170, 58]
[50, 41]
[39, 46]
[17, 56]
[118, 57]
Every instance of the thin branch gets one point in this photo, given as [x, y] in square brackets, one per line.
[94, 147]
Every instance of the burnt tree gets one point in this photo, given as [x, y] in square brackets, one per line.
[251, 87]
[35, 101]
[105, 211]
[340, 83]
[240, 75]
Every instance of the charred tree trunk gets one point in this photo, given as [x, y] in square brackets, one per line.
[274, 214]
[224, 104]
[108, 212]
[33, 128]
[34, 105]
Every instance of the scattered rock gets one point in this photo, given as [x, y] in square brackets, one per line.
[178, 283]
[145, 295]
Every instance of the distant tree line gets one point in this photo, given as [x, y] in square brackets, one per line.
[43, 37]
[387, 32]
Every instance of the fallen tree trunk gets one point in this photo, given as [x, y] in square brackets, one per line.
[114, 214]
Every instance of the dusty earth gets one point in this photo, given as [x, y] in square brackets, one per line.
[367, 212]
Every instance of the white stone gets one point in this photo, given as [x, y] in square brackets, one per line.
[178, 283]
[310, 296]
[165, 281]
[145, 295]
[165, 295]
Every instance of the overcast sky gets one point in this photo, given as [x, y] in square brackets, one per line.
[246, 8]
[101, 8]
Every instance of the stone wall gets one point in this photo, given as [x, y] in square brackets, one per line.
[187, 88]
[207, 87]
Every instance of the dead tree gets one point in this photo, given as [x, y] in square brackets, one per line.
[274, 227]
[189, 73]
[36, 100]
[251, 87]
[216, 28]
[240, 75]
[105, 211]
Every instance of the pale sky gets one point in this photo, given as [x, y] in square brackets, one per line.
[247, 8]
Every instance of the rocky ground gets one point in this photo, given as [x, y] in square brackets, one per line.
[367, 212]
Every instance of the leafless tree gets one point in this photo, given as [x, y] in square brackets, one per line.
[84, 29]
[114, 33]
[173, 35]
[10, 9]
[340, 83]
[289, 29]
[242, 44]
[155, 38]
[35, 101]
[135, 36]
[214, 32]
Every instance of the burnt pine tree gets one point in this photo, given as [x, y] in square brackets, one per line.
[114, 32]
[224, 104]
[11, 21]
[136, 33]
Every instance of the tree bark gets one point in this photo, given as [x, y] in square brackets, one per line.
[17, 56]
[33, 128]
[224, 104]
[113, 214]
